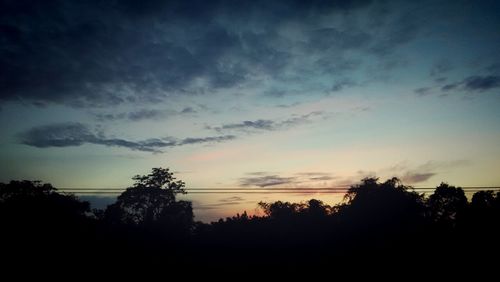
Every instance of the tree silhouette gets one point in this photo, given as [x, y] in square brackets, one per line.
[483, 200]
[279, 209]
[387, 203]
[446, 204]
[484, 212]
[152, 201]
[36, 201]
[35, 219]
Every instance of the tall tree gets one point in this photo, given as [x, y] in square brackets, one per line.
[447, 204]
[151, 201]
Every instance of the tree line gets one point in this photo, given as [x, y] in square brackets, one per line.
[148, 225]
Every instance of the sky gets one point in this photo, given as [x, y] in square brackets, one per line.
[250, 94]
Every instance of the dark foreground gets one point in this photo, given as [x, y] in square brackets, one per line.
[379, 225]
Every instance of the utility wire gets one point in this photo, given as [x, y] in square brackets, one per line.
[239, 190]
[262, 188]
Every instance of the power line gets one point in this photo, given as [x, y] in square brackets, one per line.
[262, 188]
[239, 190]
[230, 192]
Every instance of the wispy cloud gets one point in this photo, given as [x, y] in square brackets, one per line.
[450, 86]
[444, 165]
[340, 85]
[313, 173]
[481, 83]
[263, 124]
[144, 114]
[409, 174]
[297, 180]
[139, 115]
[416, 177]
[474, 83]
[424, 172]
[286, 106]
[321, 178]
[229, 201]
[210, 139]
[188, 110]
[257, 173]
[77, 134]
[265, 181]
[315, 176]
[267, 124]
[423, 91]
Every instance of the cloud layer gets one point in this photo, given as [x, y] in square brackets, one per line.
[77, 134]
[105, 53]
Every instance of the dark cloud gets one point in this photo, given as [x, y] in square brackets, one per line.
[266, 181]
[286, 106]
[278, 93]
[267, 125]
[475, 83]
[143, 114]
[423, 91]
[313, 173]
[257, 124]
[321, 178]
[188, 110]
[235, 200]
[412, 178]
[450, 86]
[300, 179]
[57, 135]
[338, 86]
[110, 117]
[315, 176]
[231, 199]
[211, 139]
[362, 109]
[105, 53]
[77, 134]
[139, 115]
[427, 170]
[220, 204]
[481, 83]
[300, 119]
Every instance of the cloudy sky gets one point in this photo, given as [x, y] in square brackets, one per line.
[250, 93]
